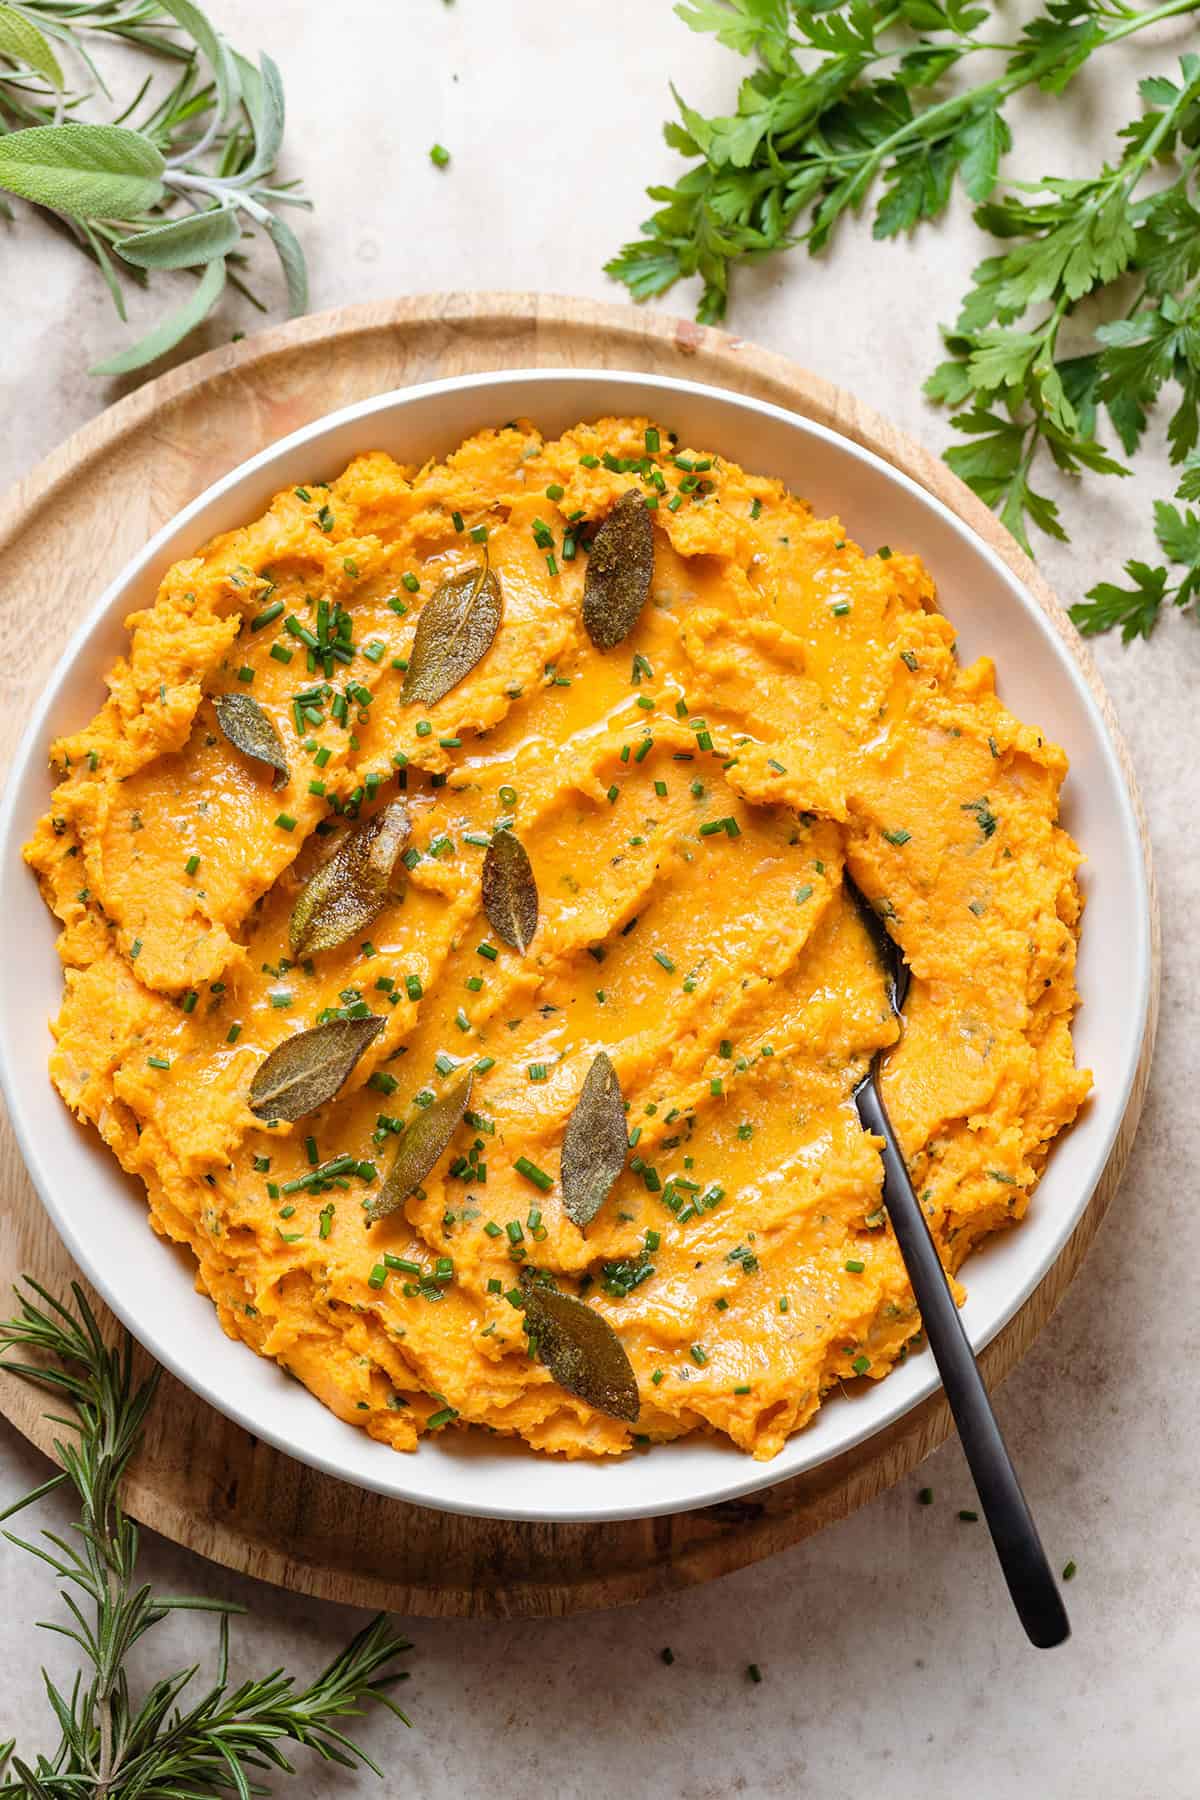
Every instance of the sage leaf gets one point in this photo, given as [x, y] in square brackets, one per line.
[291, 259]
[249, 730]
[350, 890]
[214, 51]
[21, 41]
[619, 572]
[164, 337]
[305, 1071]
[510, 896]
[596, 1143]
[580, 1349]
[183, 243]
[422, 1146]
[454, 632]
[86, 171]
[262, 91]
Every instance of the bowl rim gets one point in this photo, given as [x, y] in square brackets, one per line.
[746, 1475]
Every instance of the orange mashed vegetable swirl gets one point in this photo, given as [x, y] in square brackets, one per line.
[785, 703]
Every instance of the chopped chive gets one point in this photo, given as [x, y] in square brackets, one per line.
[192, 864]
[286, 822]
[531, 1172]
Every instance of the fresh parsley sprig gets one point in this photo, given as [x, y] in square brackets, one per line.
[1069, 240]
[111, 1745]
[849, 97]
[847, 93]
[1135, 609]
[178, 180]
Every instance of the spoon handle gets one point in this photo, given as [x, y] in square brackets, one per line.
[1028, 1574]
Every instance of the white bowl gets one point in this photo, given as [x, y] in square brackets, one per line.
[101, 1215]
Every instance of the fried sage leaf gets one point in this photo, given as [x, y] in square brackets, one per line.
[305, 1071]
[580, 1349]
[595, 1145]
[619, 572]
[249, 730]
[350, 890]
[454, 632]
[422, 1146]
[510, 896]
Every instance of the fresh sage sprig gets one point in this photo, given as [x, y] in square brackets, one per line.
[179, 180]
[112, 1745]
[855, 97]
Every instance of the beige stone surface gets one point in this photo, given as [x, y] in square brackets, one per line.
[890, 1658]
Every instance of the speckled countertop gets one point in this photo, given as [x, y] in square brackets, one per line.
[890, 1659]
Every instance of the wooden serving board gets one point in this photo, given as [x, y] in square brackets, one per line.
[65, 531]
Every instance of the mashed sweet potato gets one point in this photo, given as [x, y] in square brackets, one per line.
[785, 701]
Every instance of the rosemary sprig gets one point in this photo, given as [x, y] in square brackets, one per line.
[850, 95]
[178, 179]
[112, 1746]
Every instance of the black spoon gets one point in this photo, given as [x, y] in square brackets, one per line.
[1028, 1574]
